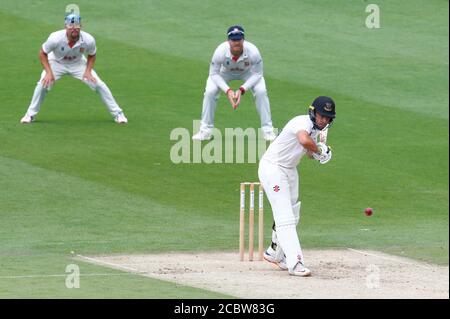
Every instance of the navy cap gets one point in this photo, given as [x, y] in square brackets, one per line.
[235, 32]
[325, 106]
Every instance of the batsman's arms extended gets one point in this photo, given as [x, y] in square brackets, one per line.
[89, 66]
[307, 142]
[318, 150]
[49, 78]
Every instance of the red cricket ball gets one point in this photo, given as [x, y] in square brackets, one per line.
[368, 211]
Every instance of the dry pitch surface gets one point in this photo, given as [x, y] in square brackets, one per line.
[336, 273]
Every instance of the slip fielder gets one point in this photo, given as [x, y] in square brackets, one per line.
[63, 54]
[235, 59]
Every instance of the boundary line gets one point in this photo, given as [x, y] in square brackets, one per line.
[64, 275]
[97, 261]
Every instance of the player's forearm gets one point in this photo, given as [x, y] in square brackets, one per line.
[311, 146]
[257, 74]
[220, 82]
[44, 61]
[90, 63]
[214, 72]
[252, 80]
[307, 142]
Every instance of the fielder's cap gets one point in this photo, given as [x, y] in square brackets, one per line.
[72, 18]
[325, 106]
[235, 32]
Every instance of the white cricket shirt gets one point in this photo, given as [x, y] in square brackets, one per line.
[223, 64]
[286, 150]
[57, 47]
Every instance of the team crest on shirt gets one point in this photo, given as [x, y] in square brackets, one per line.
[81, 50]
[247, 63]
[276, 188]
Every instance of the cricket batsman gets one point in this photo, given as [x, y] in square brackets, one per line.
[235, 59]
[64, 53]
[279, 177]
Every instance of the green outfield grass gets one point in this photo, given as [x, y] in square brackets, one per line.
[76, 181]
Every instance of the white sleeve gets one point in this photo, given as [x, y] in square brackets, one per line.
[256, 70]
[91, 48]
[50, 45]
[298, 124]
[214, 70]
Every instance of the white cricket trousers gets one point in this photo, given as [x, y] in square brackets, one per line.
[212, 93]
[281, 188]
[76, 70]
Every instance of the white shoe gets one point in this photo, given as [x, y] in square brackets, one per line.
[272, 259]
[269, 136]
[120, 118]
[27, 119]
[300, 270]
[202, 135]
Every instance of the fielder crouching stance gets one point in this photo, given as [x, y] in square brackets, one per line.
[278, 174]
[63, 53]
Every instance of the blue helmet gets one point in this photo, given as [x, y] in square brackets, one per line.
[72, 18]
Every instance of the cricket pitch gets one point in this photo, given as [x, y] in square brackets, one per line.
[336, 273]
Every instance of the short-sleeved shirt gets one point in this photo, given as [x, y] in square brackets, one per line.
[58, 49]
[286, 150]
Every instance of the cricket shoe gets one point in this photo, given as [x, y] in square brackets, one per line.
[272, 259]
[202, 135]
[300, 270]
[120, 118]
[27, 119]
[269, 136]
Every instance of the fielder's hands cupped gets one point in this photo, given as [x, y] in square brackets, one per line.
[231, 98]
[87, 76]
[237, 97]
[48, 80]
